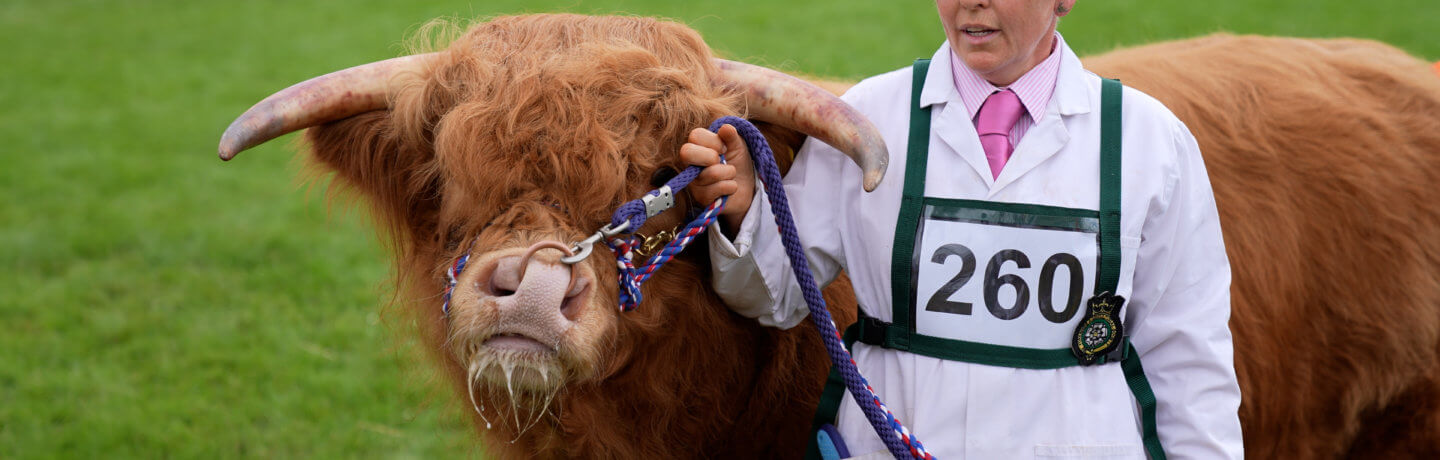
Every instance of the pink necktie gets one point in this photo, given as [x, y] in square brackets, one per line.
[997, 115]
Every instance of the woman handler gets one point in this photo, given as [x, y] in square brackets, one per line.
[1043, 235]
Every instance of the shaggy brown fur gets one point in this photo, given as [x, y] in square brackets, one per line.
[1323, 156]
[1325, 160]
[537, 127]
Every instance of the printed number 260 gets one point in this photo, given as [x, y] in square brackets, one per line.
[940, 302]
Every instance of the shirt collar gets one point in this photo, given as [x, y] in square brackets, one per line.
[1035, 87]
[1072, 93]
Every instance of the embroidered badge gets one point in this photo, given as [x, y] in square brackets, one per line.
[1100, 330]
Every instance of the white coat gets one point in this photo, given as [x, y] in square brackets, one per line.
[1173, 271]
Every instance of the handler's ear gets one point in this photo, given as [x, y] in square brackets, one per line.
[1063, 7]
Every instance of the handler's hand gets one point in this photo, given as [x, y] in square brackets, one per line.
[736, 178]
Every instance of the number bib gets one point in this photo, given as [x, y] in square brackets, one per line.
[1003, 274]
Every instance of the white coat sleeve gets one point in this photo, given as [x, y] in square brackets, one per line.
[1182, 286]
[752, 274]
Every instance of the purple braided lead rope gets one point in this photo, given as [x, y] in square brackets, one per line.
[634, 210]
[897, 438]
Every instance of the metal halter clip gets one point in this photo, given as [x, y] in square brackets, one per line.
[655, 204]
[583, 248]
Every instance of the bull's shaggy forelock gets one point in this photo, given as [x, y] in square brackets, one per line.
[578, 109]
[535, 128]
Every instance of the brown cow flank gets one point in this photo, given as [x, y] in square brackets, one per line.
[1324, 156]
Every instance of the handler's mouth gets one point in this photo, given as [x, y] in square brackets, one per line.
[978, 31]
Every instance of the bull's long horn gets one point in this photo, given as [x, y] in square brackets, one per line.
[772, 96]
[793, 103]
[316, 101]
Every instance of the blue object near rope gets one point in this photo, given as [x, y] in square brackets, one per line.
[830, 444]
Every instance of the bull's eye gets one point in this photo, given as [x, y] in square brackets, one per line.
[452, 239]
[662, 175]
[556, 205]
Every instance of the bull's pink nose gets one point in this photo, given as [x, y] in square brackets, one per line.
[537, 284]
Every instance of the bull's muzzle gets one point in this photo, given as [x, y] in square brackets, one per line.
[534, 294]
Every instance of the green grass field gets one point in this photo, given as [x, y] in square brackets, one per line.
[155, 302]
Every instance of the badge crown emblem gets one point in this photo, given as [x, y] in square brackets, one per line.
[1104, 304]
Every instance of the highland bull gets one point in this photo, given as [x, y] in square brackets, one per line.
[528, 131]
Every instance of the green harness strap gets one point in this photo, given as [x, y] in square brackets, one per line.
[1110, 121]
[911, 202]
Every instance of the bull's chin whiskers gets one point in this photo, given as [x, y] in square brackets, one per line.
[470, 389]
[535, 415]
[482, 364]
[509, 367]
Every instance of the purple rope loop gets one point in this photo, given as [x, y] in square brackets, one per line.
[634, 210]
[897, 438]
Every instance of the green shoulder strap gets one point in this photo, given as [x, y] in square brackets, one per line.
[1110, 91]
[917, 152]
[1110, 121]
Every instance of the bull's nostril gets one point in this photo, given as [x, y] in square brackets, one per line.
[570, 309]
[501, 285]
[504, 280]
[574, 298]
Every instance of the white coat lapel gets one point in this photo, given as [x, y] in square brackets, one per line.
[1039, 144]
[948, 118]
[1072, 97]
[959, 137]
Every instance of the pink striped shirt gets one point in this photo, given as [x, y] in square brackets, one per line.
[1034, 88]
